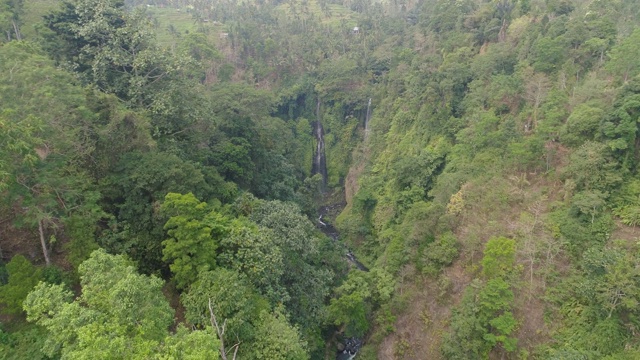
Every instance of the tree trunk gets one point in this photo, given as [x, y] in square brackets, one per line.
[502, 35]
[220, 331]
[16, 29]
[43, 242]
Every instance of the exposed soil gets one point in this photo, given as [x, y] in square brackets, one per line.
[15, 241]
[624, 232]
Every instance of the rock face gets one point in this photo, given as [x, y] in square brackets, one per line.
[351, 347]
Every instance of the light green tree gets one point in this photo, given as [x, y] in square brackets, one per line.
[44, 144]
[189, 345]
[484, 319]
[276, 339]
[357, 297]
[242, 319]
[109, 47]
[194, 234]
[120, 315]
[499, 257]
[305, 277]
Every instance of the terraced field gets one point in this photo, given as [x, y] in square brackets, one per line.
[170, 24]
[333, 14]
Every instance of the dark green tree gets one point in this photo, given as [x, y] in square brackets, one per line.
[23, 276]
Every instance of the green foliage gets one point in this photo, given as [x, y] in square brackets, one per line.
[82, 230]
[356, 298]
[592, 168]
[582, 125]
[17, 142]
[350, 307]
[109, 47]
[466, 95]
[23, 276]
[255, 252]
[277, 340]
[499, 257]
[11, 19]
[622, 56]
[589, 203]
[234, 302]
[626, 203]
[613, 279]
[466, 337]
[549, 54]
[309, 194]
[120, 314]
[194, 234]
[232, 158]
[440, 253]
[232, 299]
[620, 127]
[133, 193]
[25, 343]
[482, 321]
[190, 345]
[305, 276]
[335, 77]
[55, 275]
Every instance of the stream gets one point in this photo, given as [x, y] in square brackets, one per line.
[328, 229]
[350, 346]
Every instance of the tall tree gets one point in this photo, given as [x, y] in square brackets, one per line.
[11, 13]
[109, 47]
[194, 232]
[46, 139]
[623, 57]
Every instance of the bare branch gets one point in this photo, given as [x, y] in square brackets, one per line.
[220, 331]
[235, 352]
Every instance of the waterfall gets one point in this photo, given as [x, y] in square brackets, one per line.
[366, 119]
[319, 159]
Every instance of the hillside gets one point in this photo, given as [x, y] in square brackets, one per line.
[300, 179]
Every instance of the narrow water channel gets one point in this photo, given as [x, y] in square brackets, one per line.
[350, 346]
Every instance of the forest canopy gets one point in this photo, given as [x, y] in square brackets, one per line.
[437, 179]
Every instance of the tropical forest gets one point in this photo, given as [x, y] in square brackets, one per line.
[320, 179]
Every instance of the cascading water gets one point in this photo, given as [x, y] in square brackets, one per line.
[319, 159]
[366, 119]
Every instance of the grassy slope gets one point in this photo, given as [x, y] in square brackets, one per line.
[182, 23]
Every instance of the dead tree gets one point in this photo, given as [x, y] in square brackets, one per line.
[220, 330]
